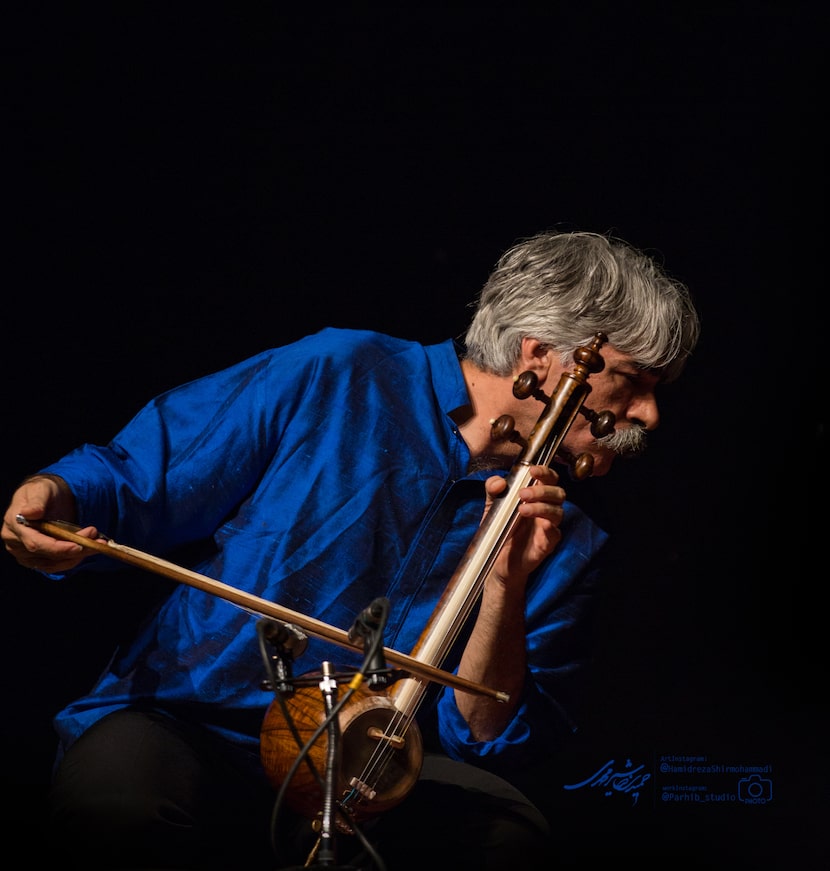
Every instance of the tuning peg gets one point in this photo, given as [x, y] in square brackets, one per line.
[602, 424]
[503, 428]
[527, 384]
[582, 467]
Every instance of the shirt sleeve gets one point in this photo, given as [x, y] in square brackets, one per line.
[562, 598]
[185, 461]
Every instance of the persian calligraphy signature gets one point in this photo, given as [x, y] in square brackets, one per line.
[629, 781]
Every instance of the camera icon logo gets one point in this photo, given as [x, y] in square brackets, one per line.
[755, 789]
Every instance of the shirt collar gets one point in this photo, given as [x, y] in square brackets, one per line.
[447, 377]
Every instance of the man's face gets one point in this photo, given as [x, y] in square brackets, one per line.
[624, 390]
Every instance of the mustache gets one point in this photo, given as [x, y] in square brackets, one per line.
[628, 441]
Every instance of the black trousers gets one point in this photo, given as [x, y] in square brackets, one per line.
[141, 789]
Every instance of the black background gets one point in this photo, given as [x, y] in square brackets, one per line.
[186, 188]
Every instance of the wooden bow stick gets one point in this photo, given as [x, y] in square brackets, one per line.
[61, 529]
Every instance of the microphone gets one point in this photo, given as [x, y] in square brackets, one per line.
[368, 620]
[288, 642]
[369, 626]
[286, 636]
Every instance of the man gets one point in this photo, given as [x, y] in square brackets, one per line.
[322, 475]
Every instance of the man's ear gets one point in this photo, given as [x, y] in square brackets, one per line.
[538, 358]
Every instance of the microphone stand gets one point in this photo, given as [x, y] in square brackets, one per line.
[369, 626]
[326, 853]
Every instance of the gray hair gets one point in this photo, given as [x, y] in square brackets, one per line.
[563, 287]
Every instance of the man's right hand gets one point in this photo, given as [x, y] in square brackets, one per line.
[42, 497]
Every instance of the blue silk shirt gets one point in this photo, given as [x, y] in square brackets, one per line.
[322, 474]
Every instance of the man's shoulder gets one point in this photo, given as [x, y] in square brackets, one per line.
[366, 347]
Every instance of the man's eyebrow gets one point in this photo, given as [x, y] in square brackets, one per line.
[629, 366]
[632, 368]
